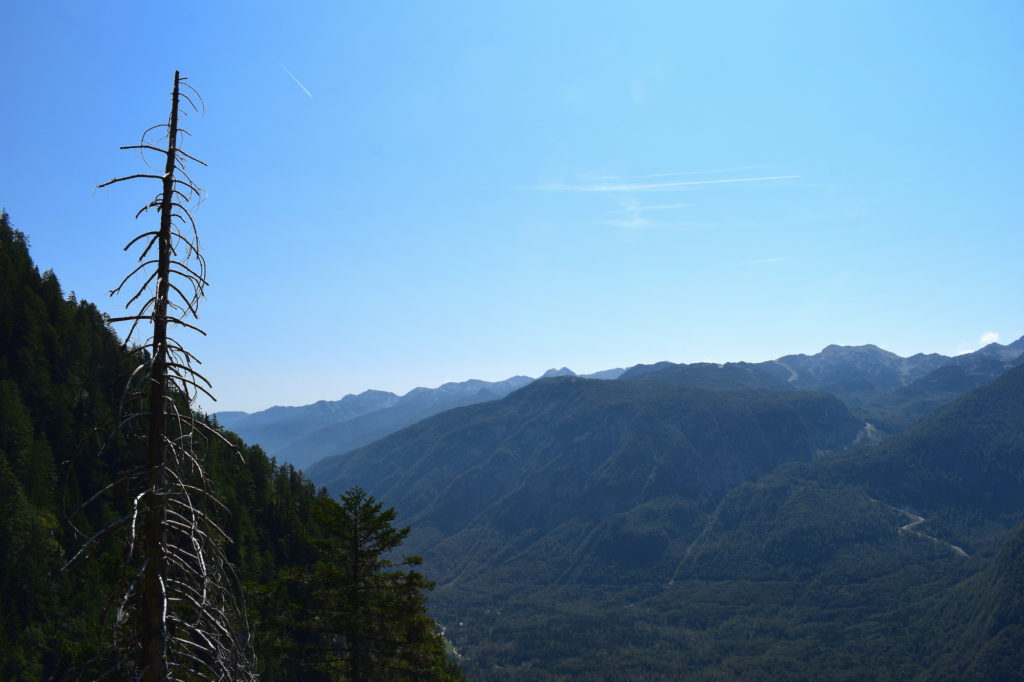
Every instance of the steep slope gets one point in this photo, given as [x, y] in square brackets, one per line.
[57, 359]
[978, 628]
[864, 553]
[961, 469]
[962, 466]
[971, 632]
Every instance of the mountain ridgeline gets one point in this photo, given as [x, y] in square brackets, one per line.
[889, 391]
[303, 435]
[576, 526]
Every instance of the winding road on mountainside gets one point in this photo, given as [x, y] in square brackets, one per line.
[917, 521]
[911, 527]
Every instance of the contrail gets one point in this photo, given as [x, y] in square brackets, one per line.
[630, 187]
[297, 81]
[734, 169]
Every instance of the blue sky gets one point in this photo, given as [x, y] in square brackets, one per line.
[407, 193]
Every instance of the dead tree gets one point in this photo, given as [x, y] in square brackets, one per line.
[179, 616]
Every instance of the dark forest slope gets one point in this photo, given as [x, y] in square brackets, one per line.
[60, 368]
[629, 529]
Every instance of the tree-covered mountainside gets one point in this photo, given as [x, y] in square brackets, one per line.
[887, 390]
[55, 355]
[898, 559]
[962, 466]
[976, 630]
[629, 529]
[580, 447]
[61, 368]
[576, 487]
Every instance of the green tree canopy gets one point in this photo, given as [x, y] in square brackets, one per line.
[369, 621]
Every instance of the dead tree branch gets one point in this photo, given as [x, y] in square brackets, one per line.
[178, 616]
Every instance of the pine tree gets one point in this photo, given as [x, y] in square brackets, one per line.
[369, 619]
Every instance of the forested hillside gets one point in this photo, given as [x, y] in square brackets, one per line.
[640, 529]
[61, 367]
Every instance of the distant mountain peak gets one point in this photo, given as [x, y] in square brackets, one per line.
[868, 348]
[564, 372]
[374, 391]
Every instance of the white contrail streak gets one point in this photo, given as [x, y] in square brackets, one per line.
[734, 169]
[632, 187]
[297, 81]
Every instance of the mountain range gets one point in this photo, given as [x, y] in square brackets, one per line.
[892, 391]
[302, 435]
[575, 527]
[888, 390]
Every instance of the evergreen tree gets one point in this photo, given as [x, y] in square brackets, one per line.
[369, 619]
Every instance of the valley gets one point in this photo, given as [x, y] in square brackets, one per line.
[676, 511]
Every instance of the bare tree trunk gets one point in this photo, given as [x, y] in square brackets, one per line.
[179, 616]
[153, 661]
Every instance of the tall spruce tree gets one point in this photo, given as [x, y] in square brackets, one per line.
[370, 620]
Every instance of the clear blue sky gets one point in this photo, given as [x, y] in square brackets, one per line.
[440, 191]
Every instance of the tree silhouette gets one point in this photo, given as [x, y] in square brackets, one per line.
[370, 620]
[178, 616]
